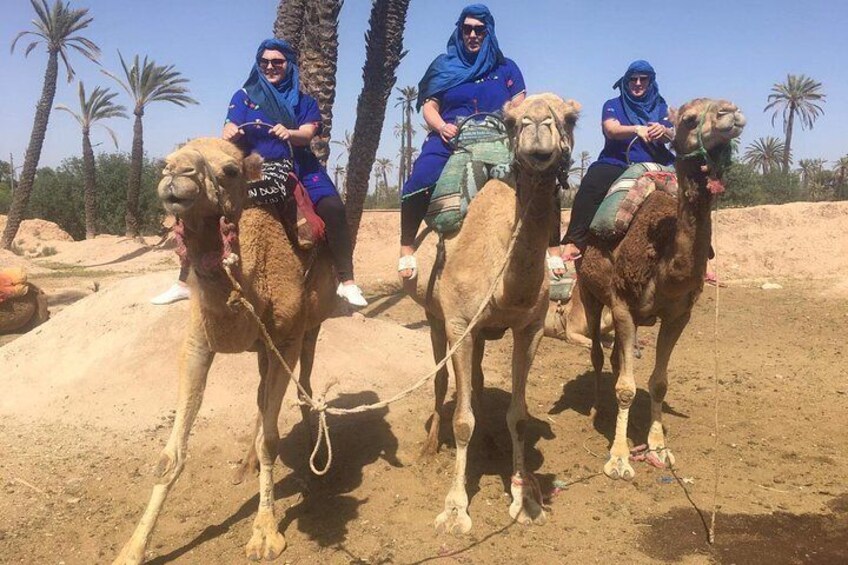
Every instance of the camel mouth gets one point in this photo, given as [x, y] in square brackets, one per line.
[539, 159]
[175, 205]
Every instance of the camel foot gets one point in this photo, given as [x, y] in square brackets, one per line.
[429, 450]
[130, 555]
[454, 521]
[266, 542]
[526, 507]
[248, 468]
[660, 457]
[618, 467]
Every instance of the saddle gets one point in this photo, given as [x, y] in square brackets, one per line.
[481, 153]
[626, 196]
[13, 283]
[279, 189]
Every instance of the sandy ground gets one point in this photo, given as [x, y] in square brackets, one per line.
[88, 403]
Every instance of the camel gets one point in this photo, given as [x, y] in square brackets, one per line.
[567, 321]
[657, 270]
[451, 291]
[204, 183]
[23, 305]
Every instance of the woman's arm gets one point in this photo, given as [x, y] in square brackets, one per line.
[613, 129]
[299, 137]
[435, 121]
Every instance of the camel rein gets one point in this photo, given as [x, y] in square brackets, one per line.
[319, 404]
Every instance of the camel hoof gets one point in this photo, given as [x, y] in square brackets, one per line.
[129, 555]
[454, 521]
[265, 545]
[528, 512]
[662, 457]
[619, 468]
[242, 472]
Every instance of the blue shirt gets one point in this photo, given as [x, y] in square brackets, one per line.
[487, 94]
[615, 150]
[258, 139]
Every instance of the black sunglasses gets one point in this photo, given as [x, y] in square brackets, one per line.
[480, 31]
[276, 63]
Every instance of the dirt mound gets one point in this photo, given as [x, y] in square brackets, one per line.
[9, 259]
[34, 237]
[111, 360]
[112, 252]
[799, 240]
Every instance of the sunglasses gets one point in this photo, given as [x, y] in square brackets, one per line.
[640, 79]
[274, 63]
[480, 31]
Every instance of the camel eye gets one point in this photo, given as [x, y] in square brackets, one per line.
[231, 170]
[690, 121]
[571, 121]
[526, 121]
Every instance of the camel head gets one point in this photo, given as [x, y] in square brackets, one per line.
[207, 177]
[717, 122]
[542, 131]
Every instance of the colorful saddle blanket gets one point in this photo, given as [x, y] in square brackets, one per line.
[482, 153]
[627, 194]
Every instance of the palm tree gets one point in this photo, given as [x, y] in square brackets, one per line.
[346, 143]
[338, 171]
[57, 28]
[97, 107]
[384, 166]
[840, 170]
[801, 96]
[408, 96]
[766, 153]
[146, 82]
[383, 52]
[289, 22]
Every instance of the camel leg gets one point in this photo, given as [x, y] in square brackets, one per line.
[455, 517]
[307, 361]
[267, 542]
[250, 462]
[669, 333]
[439, 342]
[195, 360]
[526, 507]
[593, 308]
[477, 378]
[618, 466]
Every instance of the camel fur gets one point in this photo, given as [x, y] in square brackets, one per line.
[203, 181]
[657, 270]
[452, 289]
[566, 320]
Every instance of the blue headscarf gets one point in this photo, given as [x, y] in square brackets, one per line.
[648, 107]
[277, 101]
[457, 65]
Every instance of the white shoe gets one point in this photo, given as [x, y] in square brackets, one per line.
[176, 293]
[352, 293]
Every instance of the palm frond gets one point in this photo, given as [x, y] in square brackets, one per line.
[111, 134]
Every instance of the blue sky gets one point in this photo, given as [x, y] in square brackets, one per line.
[728, 49]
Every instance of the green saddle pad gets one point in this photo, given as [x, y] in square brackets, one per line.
[482, 153]
[603, 224]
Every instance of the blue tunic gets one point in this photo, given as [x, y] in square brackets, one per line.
[488, 94]
[257, 139]
[615, 150]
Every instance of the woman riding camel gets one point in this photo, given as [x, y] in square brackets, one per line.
[272, 96]
[638, 112]
[473, 76]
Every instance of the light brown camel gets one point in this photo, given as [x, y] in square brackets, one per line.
[293, 292]
[541, 132]
[24, 306]
[657, 269]
[567, 321]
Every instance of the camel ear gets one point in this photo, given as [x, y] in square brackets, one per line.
[570, 111]
[672, 115]
[511, 113]
[252, 167]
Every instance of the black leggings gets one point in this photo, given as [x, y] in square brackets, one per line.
[593, 189]
[414, 208]
[331, 209]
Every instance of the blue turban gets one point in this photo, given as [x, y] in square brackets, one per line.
[278, 101]
[648, 107]
[457, 65]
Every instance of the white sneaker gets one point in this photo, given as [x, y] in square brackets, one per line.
[352, 293]
[176, 293]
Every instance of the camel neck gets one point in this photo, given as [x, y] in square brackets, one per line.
[694, 223]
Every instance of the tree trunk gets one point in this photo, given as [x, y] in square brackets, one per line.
[788, 144]
[134, 182]
[408, 156]
[20, 199]
[318, 59]
[383, 52]
[90, 194]
[289, 22]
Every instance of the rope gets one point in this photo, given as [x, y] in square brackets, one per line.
[319, 405]
[711, 535]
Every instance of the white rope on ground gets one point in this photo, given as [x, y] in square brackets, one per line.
[320, 405]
